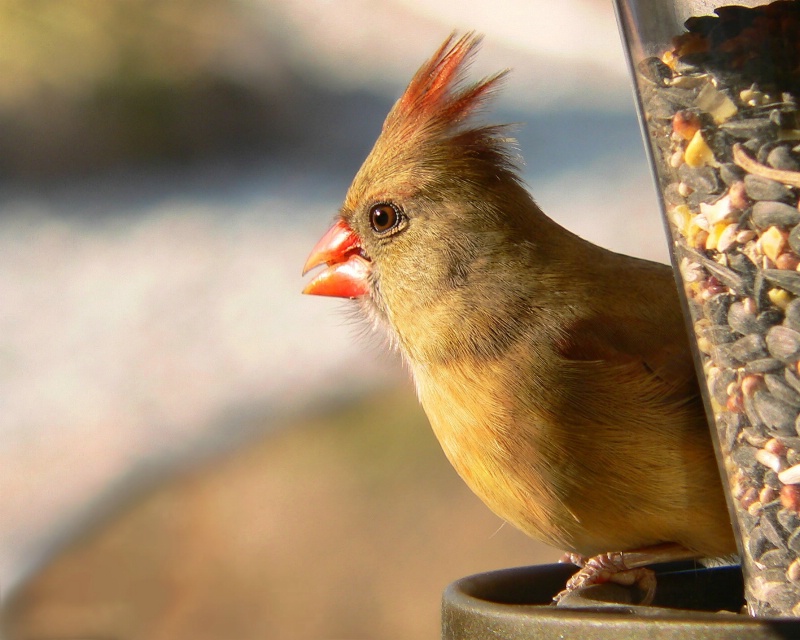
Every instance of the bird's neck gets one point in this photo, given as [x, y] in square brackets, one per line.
[485, 295]
[498, 305]
[459, 327]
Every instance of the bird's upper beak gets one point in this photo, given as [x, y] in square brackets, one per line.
[348, 268]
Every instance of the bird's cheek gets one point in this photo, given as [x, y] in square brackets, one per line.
[348, 279]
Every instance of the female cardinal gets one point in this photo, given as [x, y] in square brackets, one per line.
[556, 374]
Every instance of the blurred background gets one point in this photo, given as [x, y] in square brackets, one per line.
[189, 448]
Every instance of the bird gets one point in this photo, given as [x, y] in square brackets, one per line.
[556, 374]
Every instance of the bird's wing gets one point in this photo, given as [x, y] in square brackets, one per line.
[660, 350]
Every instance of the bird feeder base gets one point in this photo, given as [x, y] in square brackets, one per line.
[690, 603]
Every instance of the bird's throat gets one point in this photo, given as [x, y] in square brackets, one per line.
[457, 328]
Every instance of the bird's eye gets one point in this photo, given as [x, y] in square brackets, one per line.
[383, 217]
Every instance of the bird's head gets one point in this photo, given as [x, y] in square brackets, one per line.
[431, 208]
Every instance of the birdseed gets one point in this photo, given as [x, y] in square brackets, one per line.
[722, 114]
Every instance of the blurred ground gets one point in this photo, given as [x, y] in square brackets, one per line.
[179, 457]
[348, 525]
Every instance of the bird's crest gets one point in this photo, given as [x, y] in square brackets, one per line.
[434, 96]
[429, 128]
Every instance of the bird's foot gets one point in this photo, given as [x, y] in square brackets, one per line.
[625, 568]
[611, 567]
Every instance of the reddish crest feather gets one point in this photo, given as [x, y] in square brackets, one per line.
[427, 129]
[433, 93]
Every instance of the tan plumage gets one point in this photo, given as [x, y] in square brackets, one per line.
[556, 374]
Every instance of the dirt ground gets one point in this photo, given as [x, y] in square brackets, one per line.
[347, 525]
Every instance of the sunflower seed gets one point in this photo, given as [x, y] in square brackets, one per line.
[778, 416]
[767, 213]
[789, 280]
[783, 343]
[758, 188]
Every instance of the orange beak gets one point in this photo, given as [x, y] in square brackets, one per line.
[347, 272]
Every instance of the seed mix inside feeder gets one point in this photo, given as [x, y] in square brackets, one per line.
[721, 110]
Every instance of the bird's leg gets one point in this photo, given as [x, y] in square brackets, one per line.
[623, 567]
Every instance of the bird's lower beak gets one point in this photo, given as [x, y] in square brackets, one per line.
[347, 272]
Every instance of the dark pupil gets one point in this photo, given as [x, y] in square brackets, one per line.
[383, 217]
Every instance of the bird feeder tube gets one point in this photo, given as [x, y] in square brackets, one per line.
[717, 88]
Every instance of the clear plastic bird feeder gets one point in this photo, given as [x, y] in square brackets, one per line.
[718, 89]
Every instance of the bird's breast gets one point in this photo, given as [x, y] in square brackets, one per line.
[476, 421]
[572, 482]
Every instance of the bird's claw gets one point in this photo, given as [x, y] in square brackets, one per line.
[573, 558]
[608, 567]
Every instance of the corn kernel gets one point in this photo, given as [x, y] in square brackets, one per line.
[779, 297]
[698, 153]
[714, 235]
[773, 243]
